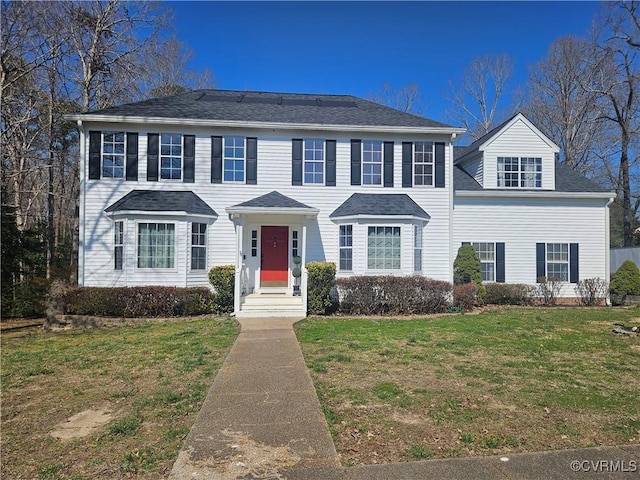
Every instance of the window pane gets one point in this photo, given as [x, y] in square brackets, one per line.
[383, 248]
[156, 245]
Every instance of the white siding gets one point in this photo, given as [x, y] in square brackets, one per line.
[519, 140]
[475, 168]
[274, 173]
[521, 223]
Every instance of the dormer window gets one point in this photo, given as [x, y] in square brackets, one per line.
[519, 172]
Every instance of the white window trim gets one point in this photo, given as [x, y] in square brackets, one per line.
[340, 248]
[244, 159]
[476, 247]
[382, 270]
[563, 262]
[323, 162]
[175, 249]
[432, 163]
[117, 244]
[160, 156]
[520, 172]
[204, 247]
[102, 154]
[381, 163]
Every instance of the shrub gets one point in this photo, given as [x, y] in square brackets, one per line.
[380, 295]
[626, 281]
[465, 296]
[466, 266]
[321, 281]
[592, 291]
[135, 302]
[548, 290]
[509, 294]
[222, 279]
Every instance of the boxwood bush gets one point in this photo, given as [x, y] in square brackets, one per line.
[132, 302]
[388, 295]
[222, 279]
[321, 281]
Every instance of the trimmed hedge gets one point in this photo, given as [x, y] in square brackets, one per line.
[321, 281]
[222, 279]
[132, 302]
[388, 295]
[509, 294]
[465, 296]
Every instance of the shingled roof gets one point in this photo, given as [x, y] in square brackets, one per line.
[286, 108]
[272, 200]
[379, 204]
[162, 201]
[567, 180]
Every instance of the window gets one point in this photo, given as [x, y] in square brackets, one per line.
[171, 156]
[118, 244]
[156, 245]
[514, 172]
[423, 155]
[417, 248]
[313, 161]
[254, 243]
[198, 246]
[558, 261]
[113, 154]
[346, 247]
[371, 162]
[383, 245]
[487, 254]
[294, 243]
[233, 160]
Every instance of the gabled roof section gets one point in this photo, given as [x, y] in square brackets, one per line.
[379, 205]
[461, 153]
[159, 201]
[273, 200]
[272, 203]
[230, 106]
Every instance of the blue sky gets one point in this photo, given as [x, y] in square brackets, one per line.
[355, 47]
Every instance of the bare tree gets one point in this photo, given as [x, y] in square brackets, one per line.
[618, 82]
[557, 102]
[477, 99]
[407, 98]
[167, 70]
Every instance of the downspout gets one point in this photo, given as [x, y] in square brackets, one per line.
[451, 209]
[607, 257]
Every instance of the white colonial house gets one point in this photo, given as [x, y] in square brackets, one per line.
[171, 187]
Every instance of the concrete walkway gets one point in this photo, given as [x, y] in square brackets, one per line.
[262, 420]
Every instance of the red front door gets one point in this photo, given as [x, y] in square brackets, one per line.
[274, 263]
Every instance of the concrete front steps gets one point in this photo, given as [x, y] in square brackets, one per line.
[271, 305]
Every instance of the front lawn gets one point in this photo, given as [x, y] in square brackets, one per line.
[139, 387]
[510, 380]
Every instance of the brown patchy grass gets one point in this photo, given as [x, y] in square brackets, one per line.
[147, 382]
[509, 380]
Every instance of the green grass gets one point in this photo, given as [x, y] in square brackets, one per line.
[520, 379]
[151, 377]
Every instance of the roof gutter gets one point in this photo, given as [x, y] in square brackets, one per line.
[530, 194]
[260, 125]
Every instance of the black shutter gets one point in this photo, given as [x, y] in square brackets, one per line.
[132, 157]
[500, 263]
[189, 157]
[216, 159]
[407, 164]
[252, 161]
[331, 163]
[388, 164]
[95, 140]
[356, 156]
[439, 183]
[296, 161]
[153, 145]
[573, 263]
[541, 261]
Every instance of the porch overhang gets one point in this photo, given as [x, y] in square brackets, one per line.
[273, 203]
